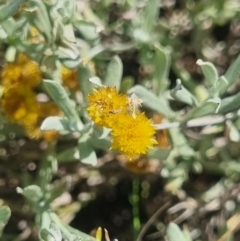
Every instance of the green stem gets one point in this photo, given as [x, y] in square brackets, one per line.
[135, 198]
[48, 168]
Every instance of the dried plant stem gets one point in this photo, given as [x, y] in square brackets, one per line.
[152, 220]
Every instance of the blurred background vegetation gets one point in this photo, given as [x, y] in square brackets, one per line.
[180, 57]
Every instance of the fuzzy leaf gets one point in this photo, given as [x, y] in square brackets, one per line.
[207, 107]
[10, 8]
[161, 72]
[151, 101]
[231, 75]
[84, 74]
[55, 123]
[60, 97]
[46, 235]
[180, 93]
[37, 15]
[180, 143]
[230, 103]
[114, 73]
[68, 155]
[32, 192]
[68, 55]
[126, 84]
[209, 71]
[87, 29]
[5, 214]
[174, 233]
[55, 231]
[87, 153]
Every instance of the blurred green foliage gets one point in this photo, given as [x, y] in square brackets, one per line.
[180, 57]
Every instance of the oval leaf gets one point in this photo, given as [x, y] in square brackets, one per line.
[180, 93]
[11, 8]
[151, 101]
[60, 97]
[5, 214]
[174, 233]
[33, 193]
[55, 123]
[209, 72]
[87, 153]
[114, 73]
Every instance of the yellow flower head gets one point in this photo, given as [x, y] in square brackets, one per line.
[133, 136]
[19, 103]
[69, 78]
[105, 105]
[23, 71]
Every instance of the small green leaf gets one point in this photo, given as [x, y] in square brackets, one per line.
[5, 214]
[68, 33]
[114, 73]
[230, 103]
[46, 235]
[87, 153]
[151, 101]
[209, 71]
[150, 15]
[126, 84]
[66, 10]
[174, 233]
[161, 71]
[32, 192]
[87, 30]
[180, 143]
[234, 134]
[60, 97]
[141, 36]
[96, 81]
[55, 231]
[100, 133]
[187, 233]
[70, 154]
[10, 8]
[68, 54]
[9, 27]
[159, 153]
[180, 93]
[103, 144]
[207, 107]
[34, 51]
[221, 85]
[231, 75]
[3, 33]
[55, 123]
[84, 74]
[37, 15]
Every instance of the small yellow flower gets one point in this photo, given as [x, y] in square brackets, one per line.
[23, 71]
[20, 106]
[18, 103]
[11, 75]
[105, 106]
[69, 78]
[133, 135]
